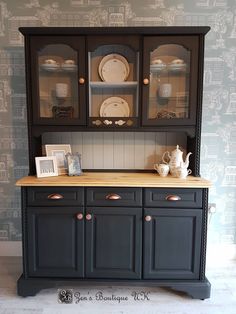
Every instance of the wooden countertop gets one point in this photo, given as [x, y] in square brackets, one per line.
[116, 179]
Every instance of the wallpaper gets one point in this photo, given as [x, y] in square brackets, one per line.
[218, 161]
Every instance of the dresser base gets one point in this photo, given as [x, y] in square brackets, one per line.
[195, 288]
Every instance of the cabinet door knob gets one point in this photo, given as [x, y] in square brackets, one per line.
[55, 196]
[148, 218]
[146, 81]
[81, 80]
[113, 196]
[88, 217]
[173, 198]
[79, 216]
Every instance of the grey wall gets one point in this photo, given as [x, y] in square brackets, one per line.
[219, 103]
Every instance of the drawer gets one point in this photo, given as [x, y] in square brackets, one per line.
[55, 196]
[106, 196]
[162, 197]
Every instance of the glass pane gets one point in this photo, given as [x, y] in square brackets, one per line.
[58, 82]
[113, 86]
[169, 82]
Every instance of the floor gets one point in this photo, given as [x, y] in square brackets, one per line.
[157, 300]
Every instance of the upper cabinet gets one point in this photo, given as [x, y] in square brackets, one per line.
[58, 80]
[114, 78]
[170, 80]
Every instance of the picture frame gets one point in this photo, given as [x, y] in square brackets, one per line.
[74, 164]
[59, 151]
[46, 166]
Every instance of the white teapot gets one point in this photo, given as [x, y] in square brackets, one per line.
[176, 159]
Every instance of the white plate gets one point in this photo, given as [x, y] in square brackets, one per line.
[157, 67]
[50, 67]
[113, 68]
[177, 67]
[114, 107]
[69, 67]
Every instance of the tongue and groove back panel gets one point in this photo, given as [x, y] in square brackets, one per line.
[118, 150]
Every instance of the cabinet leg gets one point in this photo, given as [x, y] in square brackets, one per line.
[26, 287]
[199, 290]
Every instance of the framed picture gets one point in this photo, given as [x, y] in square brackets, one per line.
[59, 151]
[46, 166]
[74, 164]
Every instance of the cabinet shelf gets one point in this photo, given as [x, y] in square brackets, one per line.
[114, 85]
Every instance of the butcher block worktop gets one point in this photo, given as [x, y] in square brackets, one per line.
[116, 179]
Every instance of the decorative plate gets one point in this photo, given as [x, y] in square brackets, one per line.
[114, 107]
[113, 68]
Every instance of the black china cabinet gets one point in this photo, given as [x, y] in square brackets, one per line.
[91, 230]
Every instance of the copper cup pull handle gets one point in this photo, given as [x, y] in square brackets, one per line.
[173, 198]
[55, 196]
[113, 197]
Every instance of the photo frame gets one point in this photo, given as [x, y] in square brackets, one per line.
[59, 151]
[46, 166]
[74, 164]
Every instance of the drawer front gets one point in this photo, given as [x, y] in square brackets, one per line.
[55, 196]
[106, 196]
[179, 198]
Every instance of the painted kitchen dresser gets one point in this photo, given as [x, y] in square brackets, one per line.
[115, 226]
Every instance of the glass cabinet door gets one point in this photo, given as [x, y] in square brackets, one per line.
[58, 80]
[170, 80]
[113, 80]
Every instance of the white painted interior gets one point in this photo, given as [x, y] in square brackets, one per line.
[118, 150]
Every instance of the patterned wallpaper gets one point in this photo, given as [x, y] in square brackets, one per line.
[218, 161]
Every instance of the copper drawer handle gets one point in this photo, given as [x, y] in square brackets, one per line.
[55, 196]
[113, 197]
[173, 198]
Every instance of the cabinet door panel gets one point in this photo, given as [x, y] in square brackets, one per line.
[172, 242]
[55, 242]
[170, 77]
[57, 67]
[113, 243]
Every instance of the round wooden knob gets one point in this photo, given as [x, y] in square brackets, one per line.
[79, 216]
[88, 217]
[148, 218]
[81, 80]
[146, 81]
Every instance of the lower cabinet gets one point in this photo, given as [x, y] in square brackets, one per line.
[55, 240]
[172, 243]
[114, 242]
[100, 236]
